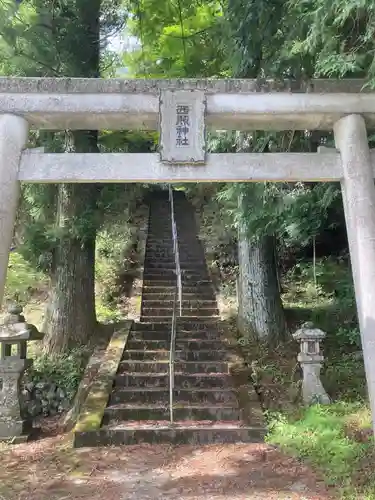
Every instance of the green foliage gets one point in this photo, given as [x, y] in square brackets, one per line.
[333, 276]
[254, 29]
[23, 280]
[348, 336]
[112, 259]
[330, 305]
[64, 370]
[338, 34]
[318, 434]
[176, 39]
[344, 376]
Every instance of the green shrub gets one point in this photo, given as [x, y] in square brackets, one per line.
[348, 337]
[64, 370]
[344, 377]
[23, 280]
[318, 435]
[333, 286]
[113, 261]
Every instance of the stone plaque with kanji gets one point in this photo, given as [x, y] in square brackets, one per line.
[182, 134]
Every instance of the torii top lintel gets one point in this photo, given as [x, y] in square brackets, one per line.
[79, 103]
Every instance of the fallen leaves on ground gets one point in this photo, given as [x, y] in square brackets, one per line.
[50, 469]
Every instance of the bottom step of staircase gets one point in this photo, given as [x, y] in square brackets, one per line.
[196, 433]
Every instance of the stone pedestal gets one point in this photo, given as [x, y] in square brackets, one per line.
[311, 359]
[14, 334]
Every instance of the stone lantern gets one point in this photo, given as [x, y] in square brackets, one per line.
[311, 358]
[14, 334]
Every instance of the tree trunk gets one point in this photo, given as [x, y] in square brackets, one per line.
[260, 311]
[70, 318]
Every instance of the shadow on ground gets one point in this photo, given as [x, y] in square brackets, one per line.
[51, 469]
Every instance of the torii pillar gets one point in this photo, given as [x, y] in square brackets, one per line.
[358, 193]
[13, 137]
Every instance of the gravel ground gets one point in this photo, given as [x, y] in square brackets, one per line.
[50, 469]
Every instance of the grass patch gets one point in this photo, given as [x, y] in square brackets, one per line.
[64, 370]
[24, 283]
[319, 434]
[108, 313]
[328, 302]
[114, 263]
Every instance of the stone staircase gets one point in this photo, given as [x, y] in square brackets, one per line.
[206, 407]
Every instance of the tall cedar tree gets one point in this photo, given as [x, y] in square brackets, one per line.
[64, 39]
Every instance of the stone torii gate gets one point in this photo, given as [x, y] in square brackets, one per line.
[183, 109]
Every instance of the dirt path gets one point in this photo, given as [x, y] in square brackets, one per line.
[50, 469]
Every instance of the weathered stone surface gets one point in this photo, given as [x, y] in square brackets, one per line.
[92, 410]
[187, 435]
[14, 332]
[150, 86]
[13, 428]
[359, 206]
[13, 136]
[205, 399]
[311, 359]
[231, 104]
[85, 385]
[182, 135]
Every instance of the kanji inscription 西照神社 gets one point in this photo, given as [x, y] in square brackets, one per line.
[182, 126]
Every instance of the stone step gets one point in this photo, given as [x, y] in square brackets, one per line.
[161, 395]
[165, 265]
[187, 312]
[168, 254]
[199, 367]
[165, 275]
[131, 411]
[185, 239]
[170, 269]
[149, 296]
[182, 381]
[187, 252]
[164, 235]
[199, 284]
[161, 355]
[166, 319]
[145, 326]
[165, 336]
[195, 288]
[194, 434]
[166, 251]
[186, 303]
[185, 255]
[187, 267]
[143, 367]
[201, 325]
[138, 395]
[191, 344]
[179, 367]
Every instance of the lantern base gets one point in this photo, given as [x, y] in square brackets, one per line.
[15, 431]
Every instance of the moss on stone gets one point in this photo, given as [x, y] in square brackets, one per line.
[91, 415]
